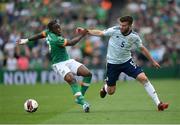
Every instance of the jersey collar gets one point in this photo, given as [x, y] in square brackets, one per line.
[127, 33]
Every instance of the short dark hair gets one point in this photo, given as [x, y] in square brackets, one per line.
[128, 19]
[51, 24]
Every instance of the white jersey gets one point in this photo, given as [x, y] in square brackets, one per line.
[119, 46]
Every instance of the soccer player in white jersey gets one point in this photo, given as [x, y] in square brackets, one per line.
[119, 59]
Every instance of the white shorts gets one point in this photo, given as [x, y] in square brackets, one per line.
[62, 68]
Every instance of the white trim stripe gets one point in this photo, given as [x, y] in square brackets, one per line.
[85, 84]
[77, 94]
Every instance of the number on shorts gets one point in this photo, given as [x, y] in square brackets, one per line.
[133, 64]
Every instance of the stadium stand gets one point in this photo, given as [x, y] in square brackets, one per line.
[157, 21]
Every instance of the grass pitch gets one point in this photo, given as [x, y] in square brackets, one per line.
[129, 105]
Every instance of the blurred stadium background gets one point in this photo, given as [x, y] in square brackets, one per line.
[158, 23]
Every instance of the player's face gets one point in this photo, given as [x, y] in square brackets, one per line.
[124, 27]
[57, 29]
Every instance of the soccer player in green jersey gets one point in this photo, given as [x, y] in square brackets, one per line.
[61, 63]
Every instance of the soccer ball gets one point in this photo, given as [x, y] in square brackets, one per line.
[30, 105]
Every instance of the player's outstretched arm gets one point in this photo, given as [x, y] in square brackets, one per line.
[35, 37]
[75, 40]
[94, 32]
[147, 54]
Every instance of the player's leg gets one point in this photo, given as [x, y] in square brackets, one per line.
[106, 89]
[87, 76]
[73, 66]
[136, 72]
[70, 79]
[80, 70]
[112, 75]
[68, 76]
[142, 78]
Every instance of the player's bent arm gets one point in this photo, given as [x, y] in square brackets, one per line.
[35, 37]
[73, 41]
[95, 32]
[146, 53]
[149, 57]
[38, 36]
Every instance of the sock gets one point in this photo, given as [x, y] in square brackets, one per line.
[105, 87]
[80, 100]
[85, 84]
[77, 93]
[152, 93]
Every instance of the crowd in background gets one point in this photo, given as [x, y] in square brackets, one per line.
[23, 18]
[157, 21]
[159, 24]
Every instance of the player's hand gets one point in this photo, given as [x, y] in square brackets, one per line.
[156, 64]
[80, 30]
[21, 41]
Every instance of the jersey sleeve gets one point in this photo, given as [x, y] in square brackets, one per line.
[61, 41]
[138, 42]
[108, 32]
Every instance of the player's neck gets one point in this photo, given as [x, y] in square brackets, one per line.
[127, 33]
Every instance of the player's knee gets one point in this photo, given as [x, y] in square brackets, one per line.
[111, 92]
[70, 78]
[143, 78]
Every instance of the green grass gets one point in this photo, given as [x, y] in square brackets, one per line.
[130, 104]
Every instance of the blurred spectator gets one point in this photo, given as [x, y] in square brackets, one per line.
[9, 48]
[1, 59]
[96, 62]
[157, 21]
[106, 4]
[23, 62]
[36, 61]
[23, 18]
[75, 53]
[11, 63]
[87, 48]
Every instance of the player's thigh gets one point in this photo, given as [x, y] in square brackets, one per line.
[132, 69]
[83, 71]
[73, 65]
[112, 74]
[61, 69]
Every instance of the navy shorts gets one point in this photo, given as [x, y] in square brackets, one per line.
[113, 71]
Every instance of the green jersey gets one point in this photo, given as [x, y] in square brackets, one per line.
[56, 47]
